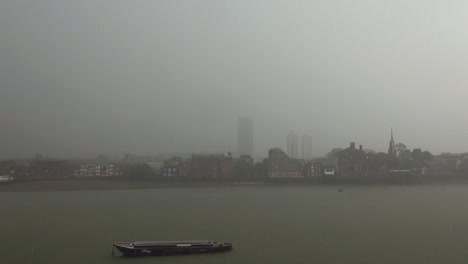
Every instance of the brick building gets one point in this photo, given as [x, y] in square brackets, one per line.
[282, 166]
[212, 166]
[40, 170]
[313, 169]
[447, 164]
[375, 164]
[7, 171]
[350, 161]
[97, 170]
[172, 167]
[7, 168]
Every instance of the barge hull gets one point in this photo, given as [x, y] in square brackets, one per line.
[158, 251]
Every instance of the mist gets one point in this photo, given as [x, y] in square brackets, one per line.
[78, 78]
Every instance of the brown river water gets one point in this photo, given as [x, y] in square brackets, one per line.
[266, 224]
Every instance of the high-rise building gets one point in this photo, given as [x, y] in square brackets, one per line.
[293, 145]
[245, 136]
[306, 147]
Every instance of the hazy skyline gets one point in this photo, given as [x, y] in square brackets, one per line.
[78, 78]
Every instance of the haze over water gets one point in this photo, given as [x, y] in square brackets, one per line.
[393, 224]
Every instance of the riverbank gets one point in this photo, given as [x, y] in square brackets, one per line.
[91, 185]
[100, 184]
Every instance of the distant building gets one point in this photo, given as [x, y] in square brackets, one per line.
[282, 166]
[306, 147]
[292, 145]
[328, 166]
[156, 165]
[212, 166]
[97, 170]
[375, 164]
[7, 171]
[21, 171]
[350, 161]
[7, 168]
[185, 168]
[172, 167]
[245, 136]
[447, 164]
[59, 169]
[313, 169]
[329, 171]
[131, 158]
[243, 167]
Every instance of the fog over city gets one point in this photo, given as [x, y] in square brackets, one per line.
[79, 78]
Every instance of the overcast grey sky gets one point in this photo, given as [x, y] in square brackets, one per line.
[84, 77]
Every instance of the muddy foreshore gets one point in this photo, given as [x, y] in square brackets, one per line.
[90, 185]
[105, 184]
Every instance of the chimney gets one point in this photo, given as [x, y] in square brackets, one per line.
[352, 145]
[360, 147]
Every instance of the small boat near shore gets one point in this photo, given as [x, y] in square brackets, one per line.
[163, 248]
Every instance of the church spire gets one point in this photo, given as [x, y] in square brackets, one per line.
[391, 147]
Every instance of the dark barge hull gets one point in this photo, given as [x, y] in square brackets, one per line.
[128, 250]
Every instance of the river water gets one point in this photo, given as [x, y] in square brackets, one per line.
[285, 224]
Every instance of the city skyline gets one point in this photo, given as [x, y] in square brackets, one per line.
[293, 148]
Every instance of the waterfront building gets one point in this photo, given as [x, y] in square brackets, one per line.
[282, 166]
[375, 164]
[7, 170]
[84, 170]
[329, 171]
[245, 136]
[446, 164]
[313, 169]
[51, 169]
[212, 166]
[350, 161]
[172, 167]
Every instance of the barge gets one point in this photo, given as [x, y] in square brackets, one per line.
[162, 248]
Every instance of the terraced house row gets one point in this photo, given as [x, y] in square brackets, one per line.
[55, 169]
